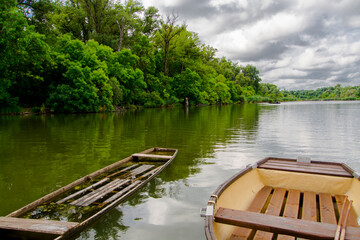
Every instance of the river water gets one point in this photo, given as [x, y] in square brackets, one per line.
[39, 154]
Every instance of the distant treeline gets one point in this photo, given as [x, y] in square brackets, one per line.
[97, 55]
[326, 93]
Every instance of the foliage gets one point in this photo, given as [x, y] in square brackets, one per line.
[327, 93]
[93, 55]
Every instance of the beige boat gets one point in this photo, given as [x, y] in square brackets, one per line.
[286, 199]
[67, 211]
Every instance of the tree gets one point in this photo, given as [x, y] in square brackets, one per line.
[72, 18]
[96, 10]
[186, 85]
[84, 85]
[127, 19]
[252, 74]
[25, 57]
[185, 51]
[165, 36]
[152, 21]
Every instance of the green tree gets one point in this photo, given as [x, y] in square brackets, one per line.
[251, 75]
[165, 36]
[70, 17]
[84, 85]
[97, 11]
[128, 20]
[151, 21]
[25, 58]
[186, 85]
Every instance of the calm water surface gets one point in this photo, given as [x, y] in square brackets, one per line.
[39, 154]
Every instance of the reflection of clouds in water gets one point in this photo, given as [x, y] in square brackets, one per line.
[166, 211]
[231, 159]
[157, 212]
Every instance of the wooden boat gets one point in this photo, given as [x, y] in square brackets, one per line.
[65, 212]
[286, 199]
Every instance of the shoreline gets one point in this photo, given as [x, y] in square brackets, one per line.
[28, 112]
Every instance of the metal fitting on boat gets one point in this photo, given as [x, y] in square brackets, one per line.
[208, 211]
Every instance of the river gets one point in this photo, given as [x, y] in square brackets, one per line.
[39, 154]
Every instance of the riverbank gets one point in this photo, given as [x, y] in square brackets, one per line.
[252, 99]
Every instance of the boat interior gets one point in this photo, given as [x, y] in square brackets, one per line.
[270, 203]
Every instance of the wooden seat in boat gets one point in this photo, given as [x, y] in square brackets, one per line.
[277, 213]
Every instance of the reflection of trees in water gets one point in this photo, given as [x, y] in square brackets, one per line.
[50, 151]
[107, 228]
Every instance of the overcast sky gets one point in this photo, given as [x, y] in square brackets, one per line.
[295, 44]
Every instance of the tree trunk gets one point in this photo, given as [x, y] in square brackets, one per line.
[121, 34]
[166, 60]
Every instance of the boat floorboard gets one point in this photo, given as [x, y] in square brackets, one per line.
[319, 208]
[100, 192]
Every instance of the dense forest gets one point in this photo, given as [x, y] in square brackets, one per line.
[98, 55]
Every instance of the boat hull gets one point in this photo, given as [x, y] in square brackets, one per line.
[106, 179]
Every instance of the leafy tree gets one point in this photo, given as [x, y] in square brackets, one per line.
[71, 18]
[84, 86]
[127, 19]
[151, 22]
[251, 75]
[165, 36]
[185, 51]
[24, 59]
[186, 85]
[96, 10]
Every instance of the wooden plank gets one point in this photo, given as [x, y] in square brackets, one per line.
[273, 209]
[352, 222]
[123, 170]
[303, 169]
[100, 192]
[139, 155]
[308, 167]
[327, 211]
[150, 173]
[309, 206]
[122, 192]
[256, 206]
[281, 225]
[315, 166]
[141, 169]
[291, 210]
[83, 190]
[36, 225]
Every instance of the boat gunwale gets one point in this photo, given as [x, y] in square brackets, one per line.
[209, 228]
[68, 187]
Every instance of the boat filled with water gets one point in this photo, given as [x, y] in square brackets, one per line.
[280, 198]
[64, 213]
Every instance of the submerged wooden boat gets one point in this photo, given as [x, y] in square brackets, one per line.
[285, 199]
[65, 212]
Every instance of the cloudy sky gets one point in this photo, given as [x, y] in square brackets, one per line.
[296, 44]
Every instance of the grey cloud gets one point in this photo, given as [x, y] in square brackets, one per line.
[326, 31]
